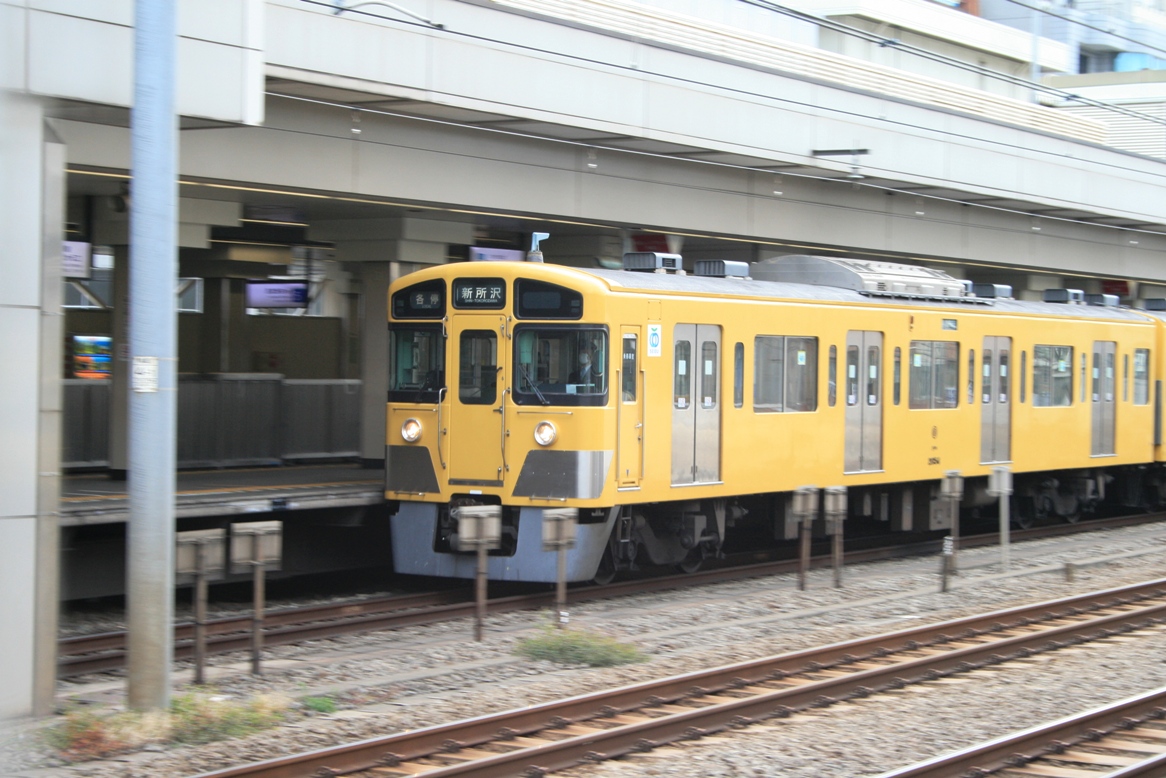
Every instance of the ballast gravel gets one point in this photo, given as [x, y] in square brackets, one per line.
[397, 680]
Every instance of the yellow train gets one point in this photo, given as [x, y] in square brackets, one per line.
[672, 409]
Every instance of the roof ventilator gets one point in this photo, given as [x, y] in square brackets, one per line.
[993, 291]
[867, 277]
[1156, 304]
[653, 262]
[1104, 300]
[1067, 296]
[721, 268]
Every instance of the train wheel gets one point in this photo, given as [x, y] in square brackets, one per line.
[691, 562]
[1023, 512]
[606, 572]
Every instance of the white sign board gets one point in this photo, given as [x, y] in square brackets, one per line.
[75, 259]
[655, 339]
[145, 374]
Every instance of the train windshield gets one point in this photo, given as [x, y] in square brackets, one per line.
[416, 363]
[560, 365]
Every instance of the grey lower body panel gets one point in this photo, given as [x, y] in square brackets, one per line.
[578, 475]
[410, 469]
[415, 526]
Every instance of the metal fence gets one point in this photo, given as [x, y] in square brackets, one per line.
[229, 419]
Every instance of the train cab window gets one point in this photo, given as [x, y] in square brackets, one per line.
[416, 363]
[1052, 376]
[832, 377]
[708, 374]
[1125, 378]
[630, 367]
[566, 365]
[934, 374]
[785, 374]
[1141, 376]
[478, 367]
[897, 382]
[681, 391]
[738, 375]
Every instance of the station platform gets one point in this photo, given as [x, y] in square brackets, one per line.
[94, 498]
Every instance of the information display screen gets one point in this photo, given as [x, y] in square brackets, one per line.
[486, 293]
[277, 294]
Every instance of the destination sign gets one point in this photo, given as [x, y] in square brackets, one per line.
[479, 293]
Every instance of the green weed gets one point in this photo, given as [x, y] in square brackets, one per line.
[572, 647]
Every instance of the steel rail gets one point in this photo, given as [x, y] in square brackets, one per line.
[1126, 727]
[83, 654]
[609, 724]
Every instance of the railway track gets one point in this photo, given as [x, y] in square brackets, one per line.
[1125, 739]
[541, 739]
[102, 652]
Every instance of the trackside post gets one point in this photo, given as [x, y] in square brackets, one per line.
[480, 527]
[806, 510]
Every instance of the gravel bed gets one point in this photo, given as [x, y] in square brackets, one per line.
[421, 676]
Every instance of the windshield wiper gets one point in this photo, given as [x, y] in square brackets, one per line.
[533, 385]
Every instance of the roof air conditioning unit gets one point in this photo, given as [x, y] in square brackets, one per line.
[652, 261]
[721, 268]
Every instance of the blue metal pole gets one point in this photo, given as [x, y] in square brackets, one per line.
[152, 339]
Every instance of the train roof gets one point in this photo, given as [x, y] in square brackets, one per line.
[740, 287]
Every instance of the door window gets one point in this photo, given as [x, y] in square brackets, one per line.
[478, 362]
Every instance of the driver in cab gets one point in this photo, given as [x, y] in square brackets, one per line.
[588, 373]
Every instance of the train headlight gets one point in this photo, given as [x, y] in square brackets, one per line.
[411, 430]
[545, 433]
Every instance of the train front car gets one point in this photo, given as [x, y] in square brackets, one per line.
[500, 393]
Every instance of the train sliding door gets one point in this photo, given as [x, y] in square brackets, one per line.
[629, 453]
[1104, 399]
[996, 406]
[696, 404]
[864, 402]
[477, 436]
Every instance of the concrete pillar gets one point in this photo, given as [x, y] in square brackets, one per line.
[375, 278]
[377, 251]
[32, 207]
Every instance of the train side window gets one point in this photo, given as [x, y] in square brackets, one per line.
[478, 367]
[832, 377]
[971, 376]
[681, 393]
[1023, 374]
[986, 386]
[801, 374]
[768, 372]
[934, 374]
[873, 362]
[1052, 376]
[708, 374]
[1084, 383]
[852, 375]
[898, 375]
[1110, 378]
[738, 375]
[630, 368]
[1003, 359]
[1125, 378]
[1096, 376]
[1142, 376]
